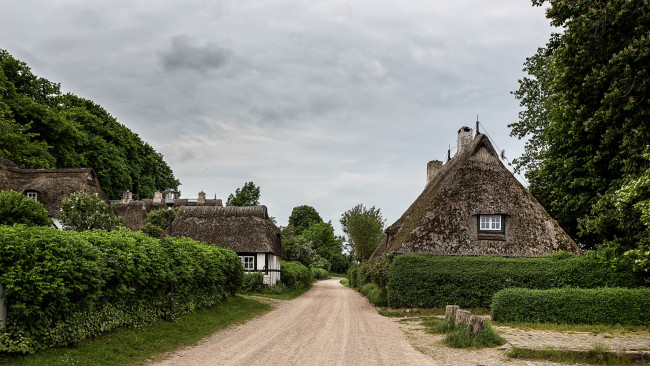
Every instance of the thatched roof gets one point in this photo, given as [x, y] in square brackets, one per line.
[52, 185]
[242, 229]
[443, 219]
[135, 212]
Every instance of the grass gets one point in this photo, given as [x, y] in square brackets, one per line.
[401, 313]
[280, 292]
[457, 336]
[589, 328]
[596, 356]
[132, 346]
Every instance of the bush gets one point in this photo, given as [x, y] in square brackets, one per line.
[572, 305]
[352, 276]
[320, 273]
[252, 282]
[470, 282]
[295, 275]
[82, 211]
[16, 208]
[83, 284]
[374, 293]
[157, 222]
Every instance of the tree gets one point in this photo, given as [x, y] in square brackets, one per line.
[157, 222]
[585, 109]
[364, 228]
[325, 243]
[297, 248]
[16, 208]
[302, 217]
[81, 211]
[248, 195]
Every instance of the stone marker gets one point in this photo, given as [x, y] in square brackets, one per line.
[476, 323]
[462, 316]
[450, 312]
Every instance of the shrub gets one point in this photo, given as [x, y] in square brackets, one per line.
[470, 282]
[572, 305]
[320, 273]
[352, 276]
[295, 275]
[83, 284]
[458, 336]
[374, 293]
[252, 282]
[157, 222]
[16, 208]
[82, 211]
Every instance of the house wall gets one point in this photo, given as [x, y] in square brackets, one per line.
[268, 264]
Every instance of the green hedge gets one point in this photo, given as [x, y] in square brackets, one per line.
[352, 276]
[575, 306]
[62, 287]
[375, 294]
[319, 273]
[295, 274]
[470, 282]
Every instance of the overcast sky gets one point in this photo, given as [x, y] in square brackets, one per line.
[323, 103]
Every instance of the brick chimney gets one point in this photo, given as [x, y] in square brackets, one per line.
[433, 168]
[201, 200]
[127, 196]
[465, 136]
[157, 197]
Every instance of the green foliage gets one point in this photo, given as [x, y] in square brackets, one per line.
[302, 217]
[458, 336]
[45, 129]
[320, 273]
[248, 195]
[470, 282]
[375, 294]
[83, 284]
[157, 222]
[252, 282]
[16, 208]
[364, 228]
[353, 277]
[573, 306]
[325, 243]
[81, 211]
[585, 109]
[295, 275]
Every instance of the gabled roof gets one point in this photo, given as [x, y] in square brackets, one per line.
[242, 229]
[443, 219]
[52, 185]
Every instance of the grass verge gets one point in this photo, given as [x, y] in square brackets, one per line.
[597, 356]
[591, 328]
[132, 346]
[457, 335]
[280, 292]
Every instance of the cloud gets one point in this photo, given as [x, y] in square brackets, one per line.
[185, 55]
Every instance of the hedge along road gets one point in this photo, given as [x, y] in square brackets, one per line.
[328, 325]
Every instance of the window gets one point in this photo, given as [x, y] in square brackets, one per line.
[32, 194]
[248, 261]
[490, 223]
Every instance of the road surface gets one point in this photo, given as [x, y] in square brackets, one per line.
[329, 325]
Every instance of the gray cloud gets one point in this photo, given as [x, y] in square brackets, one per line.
[185, 55]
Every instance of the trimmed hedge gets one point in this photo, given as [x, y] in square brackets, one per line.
[575, 306]
[470, 282]
[295, 274]
[319, 273]
[62, 287]
[374, 293]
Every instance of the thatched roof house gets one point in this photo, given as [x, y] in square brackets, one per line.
[474, 206]
[249, 231]
[49, 186]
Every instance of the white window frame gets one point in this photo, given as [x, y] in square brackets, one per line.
[33, 195]
[248, 261]
[491, 223]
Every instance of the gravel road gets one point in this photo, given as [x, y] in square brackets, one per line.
[328, 325]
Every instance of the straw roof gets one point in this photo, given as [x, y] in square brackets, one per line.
[52, 185]
[242, 229]
[134, 213]
[443, 220]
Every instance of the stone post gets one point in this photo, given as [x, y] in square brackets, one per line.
[450, 312]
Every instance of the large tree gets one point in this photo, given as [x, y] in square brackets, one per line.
[44, 128]
[248, 195]
[586, 109]
[364, 228]
[302, 217]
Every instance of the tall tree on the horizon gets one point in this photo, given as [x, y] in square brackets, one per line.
[248, 195]
[586, 110]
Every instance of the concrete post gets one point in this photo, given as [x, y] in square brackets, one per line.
[3, 309]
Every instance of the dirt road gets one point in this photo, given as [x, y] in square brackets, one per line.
[329, 325]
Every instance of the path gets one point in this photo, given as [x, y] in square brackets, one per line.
[328, 325]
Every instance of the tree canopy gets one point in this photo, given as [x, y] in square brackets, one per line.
[82, 211]
[302, 217]
[44, 128]
[586, 107]
[248, 195]
[364, 228]
[16, 208]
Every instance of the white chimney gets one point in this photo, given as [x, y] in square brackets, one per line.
[201, 199]
[464, 139]
[433, 168]
[157, 197]
[127, 197]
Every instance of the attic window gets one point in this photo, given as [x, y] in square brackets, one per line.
[491, 227]
[32, 194]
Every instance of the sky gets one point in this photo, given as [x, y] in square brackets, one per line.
[320, 103]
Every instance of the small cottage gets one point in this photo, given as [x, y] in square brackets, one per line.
[246, 230]
[49, 186]
[473, 205]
